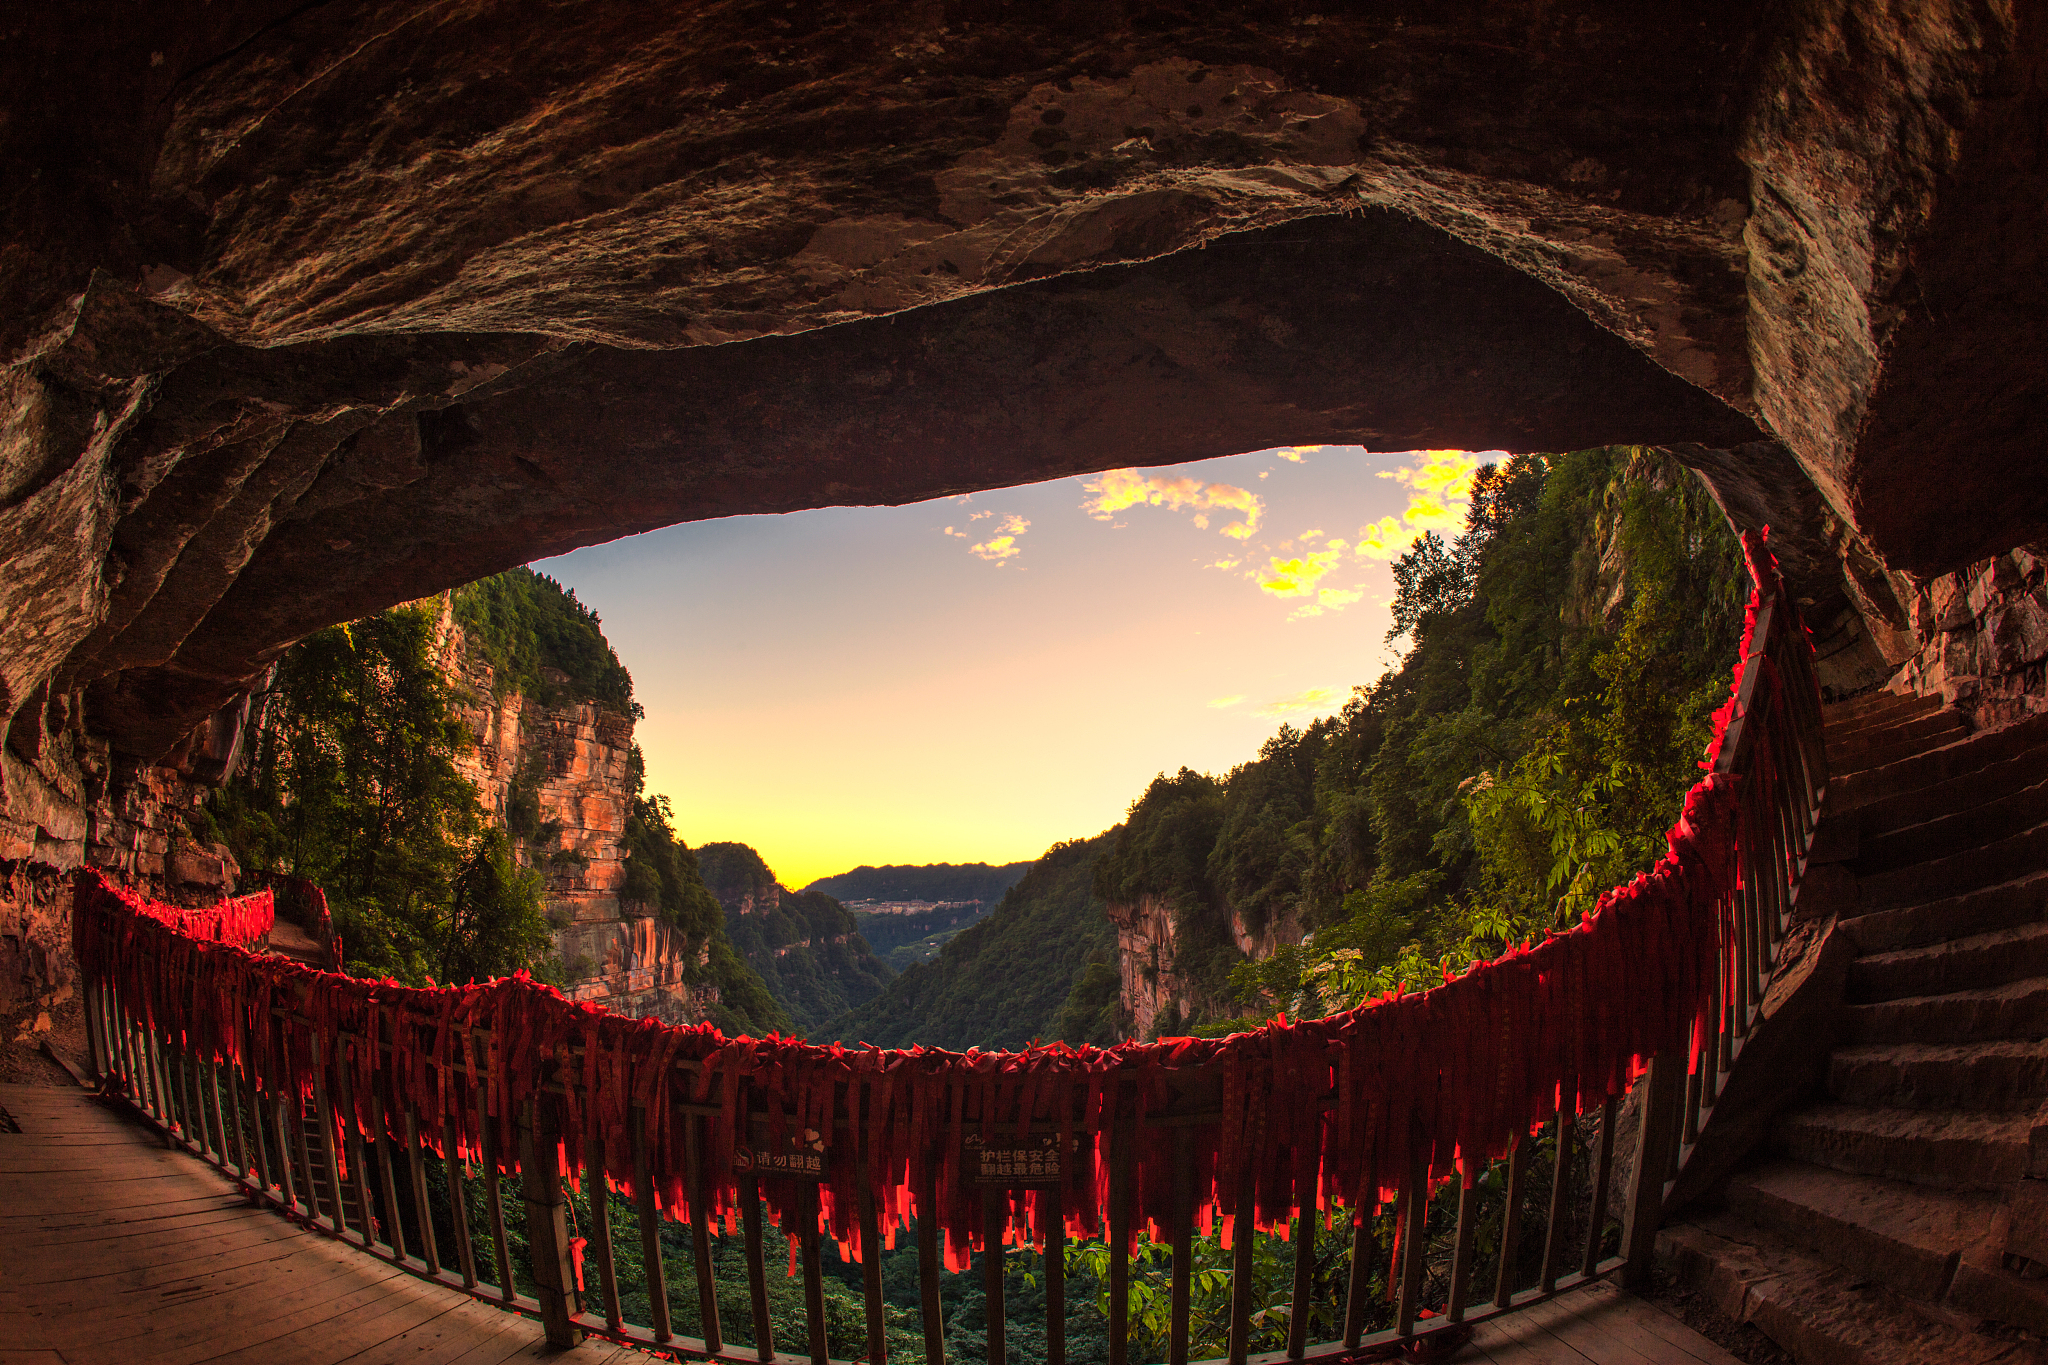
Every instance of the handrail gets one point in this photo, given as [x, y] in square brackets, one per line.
[327, 1096]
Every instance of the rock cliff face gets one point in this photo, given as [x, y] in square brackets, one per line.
[1152, 991]
[128, 819]
[1985, 634]
[571, 762]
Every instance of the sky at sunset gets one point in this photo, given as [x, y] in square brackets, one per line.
[975, 678]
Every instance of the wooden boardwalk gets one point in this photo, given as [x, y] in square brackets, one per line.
[117, 1251]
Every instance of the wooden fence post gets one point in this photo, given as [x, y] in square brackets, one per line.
[547, 1222]
[1663, 1092]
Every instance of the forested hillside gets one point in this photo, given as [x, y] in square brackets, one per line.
[1564, 657]
[1005, 979]
[926, 882]
[353, 781]
[901, 939]
[804, 944]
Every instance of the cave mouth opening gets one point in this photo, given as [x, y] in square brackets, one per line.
[981, 676]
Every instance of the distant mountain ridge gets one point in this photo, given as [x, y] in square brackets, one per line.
[804, 945]
[924, 882]
[1041, 965]
[901, 937]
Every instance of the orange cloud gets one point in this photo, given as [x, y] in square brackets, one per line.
[1328, 599]
[1440, 492]
[1294, 453]
[1117, 489]
[1220, 702]
[1296, 577]
[998, 548]
[1309, 700]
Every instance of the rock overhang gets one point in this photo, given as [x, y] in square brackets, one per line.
[313, 311]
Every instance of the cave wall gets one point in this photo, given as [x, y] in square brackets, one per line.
[307, 310]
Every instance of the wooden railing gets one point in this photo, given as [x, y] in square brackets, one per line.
[350, 1106]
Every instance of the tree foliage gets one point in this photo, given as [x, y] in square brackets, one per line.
[662, 873]
[1005, 979]
[529, 627]
[1563, 657]
[352, 783]
[804, 944]
[924, 882]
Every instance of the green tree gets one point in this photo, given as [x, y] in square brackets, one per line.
[1562, 658]
[353, 784]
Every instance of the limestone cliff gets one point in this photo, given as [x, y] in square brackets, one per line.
[1153, 996]
[568, 767]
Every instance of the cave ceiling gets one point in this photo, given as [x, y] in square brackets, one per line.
[310, 309]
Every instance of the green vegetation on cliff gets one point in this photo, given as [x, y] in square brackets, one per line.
[662, 872]
[351, 781]
[526, 625]
[805, 946]
[1005, 979]
[926, 882]
[900, 940]
[1564, 657]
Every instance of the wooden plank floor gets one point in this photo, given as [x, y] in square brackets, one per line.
[117, 1251]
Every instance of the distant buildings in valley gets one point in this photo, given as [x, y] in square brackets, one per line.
[911, 907]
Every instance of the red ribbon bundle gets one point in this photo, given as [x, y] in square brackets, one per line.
[1315, 1114]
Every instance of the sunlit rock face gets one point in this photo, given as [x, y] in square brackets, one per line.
[573, 760]
[1155, 988]
[308, 310]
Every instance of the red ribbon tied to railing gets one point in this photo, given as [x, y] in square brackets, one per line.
[1322, 1114]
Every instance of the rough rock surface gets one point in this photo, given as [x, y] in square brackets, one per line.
[1153, 983]
[130, 823]
[306, 310]
[1985, 634]
[617, 953]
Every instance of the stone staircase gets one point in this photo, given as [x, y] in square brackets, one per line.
[1871, 1225]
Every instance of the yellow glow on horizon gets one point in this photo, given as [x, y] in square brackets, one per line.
[837, 687]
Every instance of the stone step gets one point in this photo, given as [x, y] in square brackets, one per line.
[1848, 791]
[1975, 810]
[2022, 901]
[2018, 1009]
[1954, 1149]
[1874, 708]
[1892, 756]
[1972, 869]
[2003, 1077]
[1959, 964]
[1907, 1237]
[2001, 772]
[1820, 1314]
[1855, 749]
